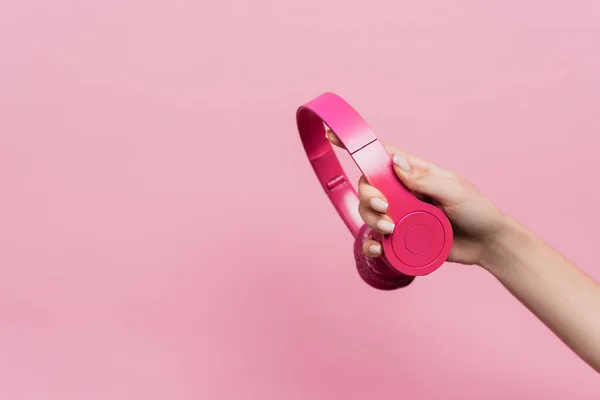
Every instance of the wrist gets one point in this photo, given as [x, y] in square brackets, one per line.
[502, 251]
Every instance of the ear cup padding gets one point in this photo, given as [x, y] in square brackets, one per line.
[374, 270]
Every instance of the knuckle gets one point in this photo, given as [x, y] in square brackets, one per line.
[420, 177]
[366, 215]
[458, 190]
[361, 211]
[462, 188]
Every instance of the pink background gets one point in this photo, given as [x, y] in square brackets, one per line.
[162, 235]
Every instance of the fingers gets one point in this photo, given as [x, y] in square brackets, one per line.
[372, 207]
[417, 162]
[373, 204]
[333, 137]
[372, 248]
[425, 178]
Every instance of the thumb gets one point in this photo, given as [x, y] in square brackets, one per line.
[425, 178]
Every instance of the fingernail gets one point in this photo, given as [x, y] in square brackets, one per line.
[385, 226]
[375, 249]
[378, 205]
[401, 163]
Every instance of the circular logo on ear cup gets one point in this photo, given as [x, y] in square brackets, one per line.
[418, 239]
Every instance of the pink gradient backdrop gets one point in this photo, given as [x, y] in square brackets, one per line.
[162, 235]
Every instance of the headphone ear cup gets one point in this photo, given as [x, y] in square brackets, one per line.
[374, 270]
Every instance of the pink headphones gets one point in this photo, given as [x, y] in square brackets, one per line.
[422, 237]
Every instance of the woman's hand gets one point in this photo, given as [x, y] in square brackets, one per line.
[559, 294]
[475, 219]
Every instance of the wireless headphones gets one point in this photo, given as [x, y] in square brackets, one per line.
[422, 236]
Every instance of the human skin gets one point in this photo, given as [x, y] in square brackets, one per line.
[560, 295]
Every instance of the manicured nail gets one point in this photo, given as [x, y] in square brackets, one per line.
[401, 163]
[375, 249]
[385, 226]
[378, 205]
